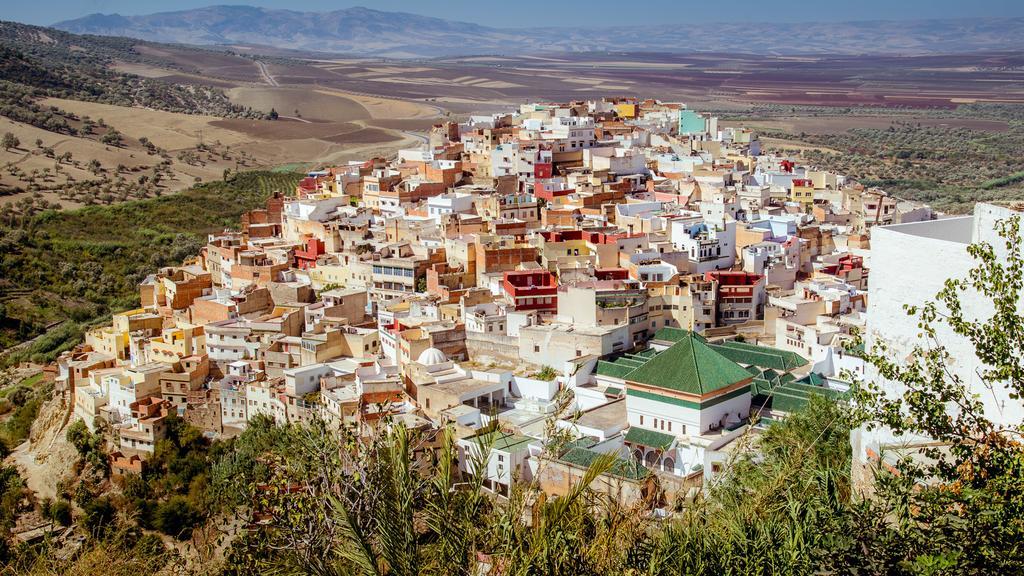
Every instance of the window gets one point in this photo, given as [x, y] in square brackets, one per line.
[536, 348]
[641, 419]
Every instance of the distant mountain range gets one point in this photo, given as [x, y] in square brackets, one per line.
[367, 32]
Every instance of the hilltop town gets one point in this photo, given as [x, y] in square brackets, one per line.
[681, 284]
[619, 277]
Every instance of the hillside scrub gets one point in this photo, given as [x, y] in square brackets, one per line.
[81, 264]
[948, 167]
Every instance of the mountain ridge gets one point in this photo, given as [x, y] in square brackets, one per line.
[369, 32]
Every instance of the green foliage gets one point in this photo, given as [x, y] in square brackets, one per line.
[176, 517]
[12, 491]
[58, 511]
[89, 445]
[948, 167]
[172, 495]
[112, 137]
[88, 262]
[99, 516]
[546, 373]
[961, 504]
[1014, 178]
[9, 141]
[26, 399]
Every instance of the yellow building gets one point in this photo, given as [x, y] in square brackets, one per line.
[626, 110]
[114, 340]
[177, 343]
[802, 191]
[355, 274]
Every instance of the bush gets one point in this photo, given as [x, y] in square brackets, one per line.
[99, 516]
[176, 517]
[58, 511]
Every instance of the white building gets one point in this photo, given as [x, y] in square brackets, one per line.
[709, 246]
[449, 203]
[909, 266]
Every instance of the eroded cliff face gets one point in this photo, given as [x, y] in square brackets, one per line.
[46, 457]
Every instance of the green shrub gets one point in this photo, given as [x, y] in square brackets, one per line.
[176, 517]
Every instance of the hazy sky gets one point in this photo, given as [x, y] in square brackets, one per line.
[532, 12]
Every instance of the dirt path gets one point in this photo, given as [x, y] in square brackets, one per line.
[266, 74]
[417, 135]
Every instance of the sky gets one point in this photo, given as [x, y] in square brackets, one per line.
[532, 12]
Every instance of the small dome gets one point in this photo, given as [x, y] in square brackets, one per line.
[432, 357]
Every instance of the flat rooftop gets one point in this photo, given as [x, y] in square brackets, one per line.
[605, 416]
[959, 229]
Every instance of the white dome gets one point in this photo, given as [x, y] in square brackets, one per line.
[432, 357]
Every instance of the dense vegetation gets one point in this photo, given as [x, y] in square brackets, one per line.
[948, 167]
[19, 406]
[63, 65]
[73, 266]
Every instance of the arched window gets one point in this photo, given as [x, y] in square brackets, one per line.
[667, 464]
[651, 460]
[638, 454]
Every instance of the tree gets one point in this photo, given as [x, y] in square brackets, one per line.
[9, 141]
[176, 517]
[99, 516]
[965, 498]
[112, 137]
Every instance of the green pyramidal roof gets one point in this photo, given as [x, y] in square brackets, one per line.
[691, 366]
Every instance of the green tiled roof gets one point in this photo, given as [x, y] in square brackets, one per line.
[624, 468]
[792, 396]
[813, 379]
[613, 369]
[613, 391]
[581, 442]
[504, 441]
[668, 334]
[766, 380]
[651, 438]
[760, 356]
[690, 365]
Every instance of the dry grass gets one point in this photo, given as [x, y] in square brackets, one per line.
[313, 105]
[165, 129]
